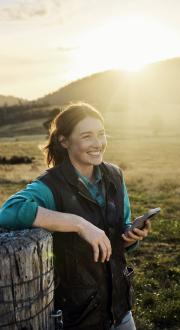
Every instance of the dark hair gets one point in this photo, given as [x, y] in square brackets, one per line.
[63, 124]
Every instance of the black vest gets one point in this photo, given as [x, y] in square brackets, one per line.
[89, 293]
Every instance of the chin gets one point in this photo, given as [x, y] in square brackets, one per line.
[97, 162]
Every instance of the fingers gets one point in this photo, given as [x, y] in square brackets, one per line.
[140, 233]
[97, 238]
[144, 232]
[137, 234]
[127, 237]
[148, 226]
[103, 251]
[131, 236]
[109, 249]
[102, 248]
[96, 252]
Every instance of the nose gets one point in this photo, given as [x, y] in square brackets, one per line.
[97, 143]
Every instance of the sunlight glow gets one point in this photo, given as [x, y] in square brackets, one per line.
[126, 43]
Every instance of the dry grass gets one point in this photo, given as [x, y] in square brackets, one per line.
[147, 160]
[152, 172]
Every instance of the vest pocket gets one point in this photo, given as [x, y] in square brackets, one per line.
[80, 306]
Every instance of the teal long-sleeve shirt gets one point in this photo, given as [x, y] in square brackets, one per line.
[19, 211]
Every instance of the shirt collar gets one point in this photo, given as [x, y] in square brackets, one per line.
[85, 179]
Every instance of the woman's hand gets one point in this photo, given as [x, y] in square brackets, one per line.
[66, 222]
[97, 239]
[130, 237]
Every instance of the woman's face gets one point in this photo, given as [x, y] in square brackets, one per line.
[87, 143]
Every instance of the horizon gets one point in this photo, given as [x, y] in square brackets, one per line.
[128, 72]
[42, 50]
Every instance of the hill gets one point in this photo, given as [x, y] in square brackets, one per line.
[150, 97]
[158, 82]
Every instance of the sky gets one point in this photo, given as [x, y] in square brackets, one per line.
[46, 44]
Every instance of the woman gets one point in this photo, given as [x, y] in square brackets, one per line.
[84, 201]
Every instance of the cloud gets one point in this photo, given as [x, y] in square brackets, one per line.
[21, 10]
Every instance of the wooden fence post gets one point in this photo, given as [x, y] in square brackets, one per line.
[26, 280]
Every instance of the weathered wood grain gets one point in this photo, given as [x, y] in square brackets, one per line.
[26, 280]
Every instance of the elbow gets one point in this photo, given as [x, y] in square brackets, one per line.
[7, 219]
[18, 216]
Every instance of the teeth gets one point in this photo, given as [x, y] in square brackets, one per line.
[94, 153]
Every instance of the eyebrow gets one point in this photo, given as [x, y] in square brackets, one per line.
[89, 132]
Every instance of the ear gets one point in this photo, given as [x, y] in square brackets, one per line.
[63, 141]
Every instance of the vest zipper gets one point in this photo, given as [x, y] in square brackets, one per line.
[110, 268]
[107, 232]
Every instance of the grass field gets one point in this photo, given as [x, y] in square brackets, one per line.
[152, 173]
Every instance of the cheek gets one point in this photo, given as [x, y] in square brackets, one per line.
[87, 143]
[104, 143]
[80, 147]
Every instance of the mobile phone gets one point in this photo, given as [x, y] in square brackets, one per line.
[140, 221]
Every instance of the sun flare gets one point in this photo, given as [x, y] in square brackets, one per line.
[126, 43]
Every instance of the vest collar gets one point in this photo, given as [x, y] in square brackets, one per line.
[97, 176]
[70, 174]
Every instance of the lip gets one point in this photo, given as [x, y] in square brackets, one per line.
[94, 153]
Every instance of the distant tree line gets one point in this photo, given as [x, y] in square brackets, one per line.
[22, 112]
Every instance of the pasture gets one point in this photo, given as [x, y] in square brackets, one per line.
[150, 163]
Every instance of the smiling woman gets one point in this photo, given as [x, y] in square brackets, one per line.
[84, 202]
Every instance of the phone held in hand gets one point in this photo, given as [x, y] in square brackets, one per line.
[140, 221]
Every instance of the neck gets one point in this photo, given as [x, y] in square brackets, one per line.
[84, 170]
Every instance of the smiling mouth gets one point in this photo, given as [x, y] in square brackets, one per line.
[94, 153]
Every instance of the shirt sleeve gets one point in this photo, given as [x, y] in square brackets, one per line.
[19, 211]
[127, 208]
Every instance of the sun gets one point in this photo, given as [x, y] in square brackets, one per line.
[126, 43]
[124, 39]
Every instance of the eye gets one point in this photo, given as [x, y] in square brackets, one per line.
[86, 136]
[102, 134]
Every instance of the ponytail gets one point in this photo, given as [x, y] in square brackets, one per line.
[54, 151]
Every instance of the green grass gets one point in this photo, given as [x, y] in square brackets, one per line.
[156, 265]
[152, 173]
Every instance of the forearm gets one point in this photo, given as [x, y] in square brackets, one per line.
[57, 221]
